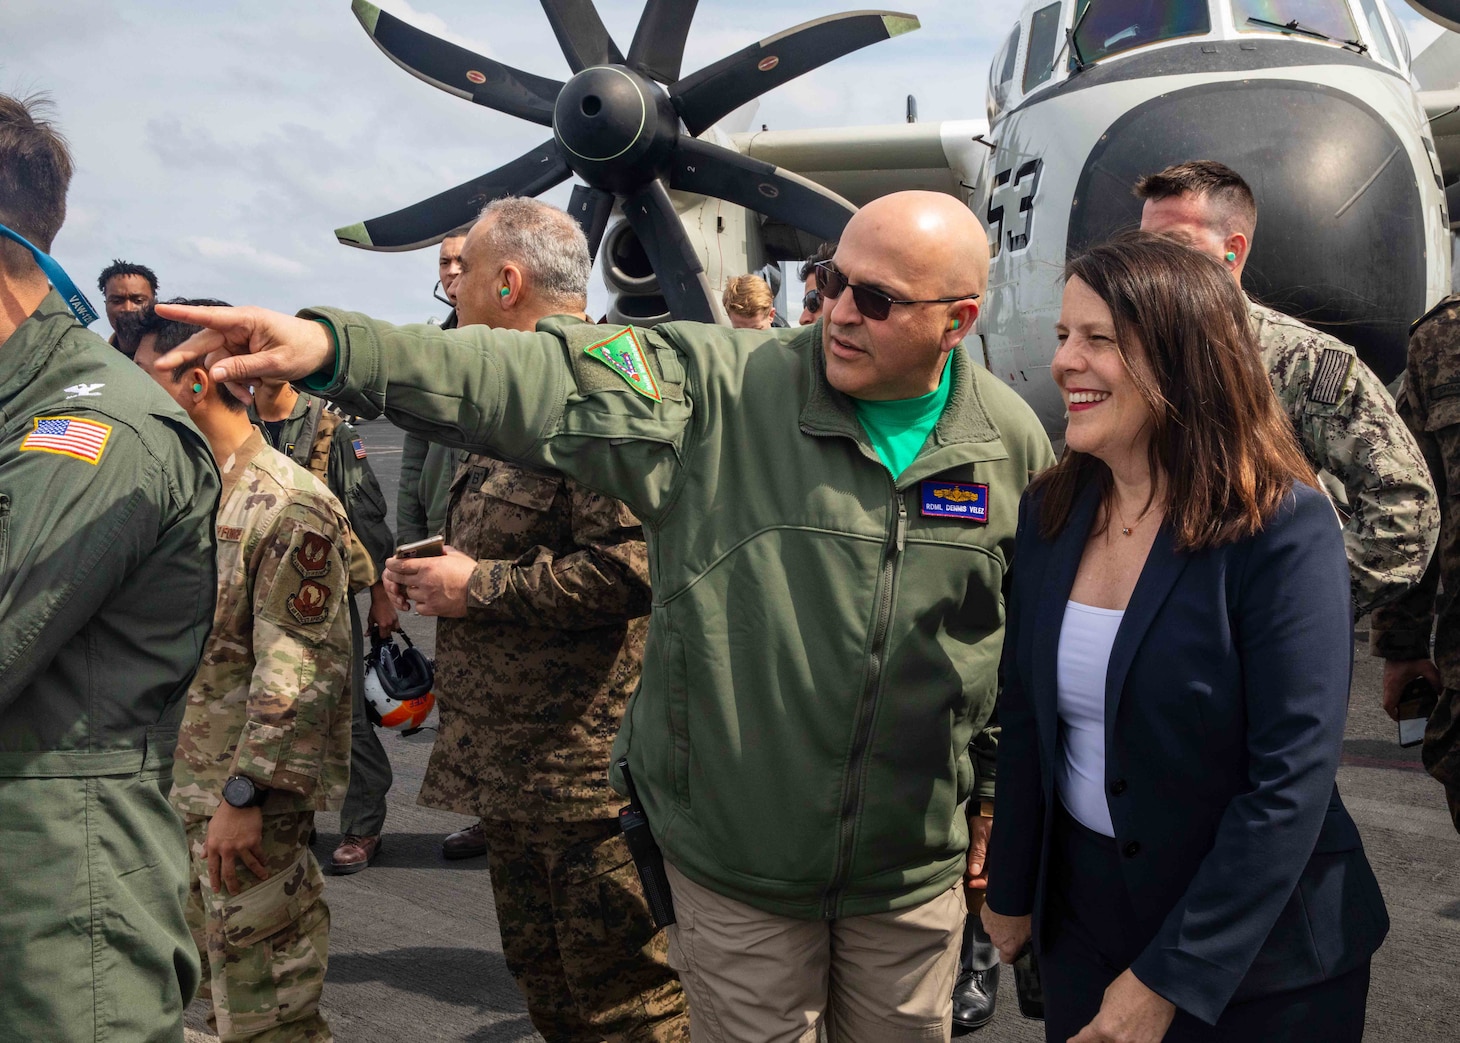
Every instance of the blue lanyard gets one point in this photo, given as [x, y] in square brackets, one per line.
[75, 299]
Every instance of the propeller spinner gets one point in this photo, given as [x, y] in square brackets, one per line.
[628, 128]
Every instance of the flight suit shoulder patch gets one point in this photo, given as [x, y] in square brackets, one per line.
[1330, 375]
[305, 581]
[71, 436]
[625, 358]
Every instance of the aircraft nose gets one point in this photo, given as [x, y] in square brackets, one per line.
[1340, 237]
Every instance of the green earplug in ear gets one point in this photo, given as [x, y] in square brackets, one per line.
[1231, 257]
[198, 389]
[957, 323]
[504, 291]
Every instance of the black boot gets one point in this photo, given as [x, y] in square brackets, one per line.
[978, 978]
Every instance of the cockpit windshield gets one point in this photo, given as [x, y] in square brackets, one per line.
[1313, 18]
[1108, 27]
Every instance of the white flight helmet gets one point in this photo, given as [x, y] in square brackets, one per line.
[398, 685]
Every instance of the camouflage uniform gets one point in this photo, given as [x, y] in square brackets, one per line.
[1430, 405]
[1347, 425]
[269, 702]
[323, 443]
[533, 683]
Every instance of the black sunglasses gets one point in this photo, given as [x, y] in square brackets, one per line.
[812, 301]
[873, 304]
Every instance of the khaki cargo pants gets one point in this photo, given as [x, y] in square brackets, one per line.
[264, 949]
[578, 936]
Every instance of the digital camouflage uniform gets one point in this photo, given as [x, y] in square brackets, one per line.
[269, 702]
[106, 596]
[1348, 427]
[1430, 405]
[323, 443]
[533, 683]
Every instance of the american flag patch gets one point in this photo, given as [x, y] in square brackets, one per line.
[359, 445]
[69, 436]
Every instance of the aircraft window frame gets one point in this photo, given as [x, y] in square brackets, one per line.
[1384, 45]
[1052, 17]
[1290, 11]
[1001, 72]
[1132, 37]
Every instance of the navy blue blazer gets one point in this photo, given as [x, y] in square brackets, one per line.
[1225, 701]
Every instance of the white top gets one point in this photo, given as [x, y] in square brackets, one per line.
[1086, 638]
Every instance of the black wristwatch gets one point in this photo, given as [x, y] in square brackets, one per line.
[242, 792]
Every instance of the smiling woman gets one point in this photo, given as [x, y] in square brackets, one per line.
[1175, 688]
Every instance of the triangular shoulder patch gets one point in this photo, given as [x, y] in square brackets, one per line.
[623, 354]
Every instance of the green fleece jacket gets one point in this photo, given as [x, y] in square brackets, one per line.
[824, 644]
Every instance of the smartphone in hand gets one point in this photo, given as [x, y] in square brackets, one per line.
[1416, 702]
[431, 547]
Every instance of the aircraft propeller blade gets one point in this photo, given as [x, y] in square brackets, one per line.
[591, 208]
[705, 97]
[658, 47]
[710, 170]
[458, 71]
[675, 262]
[581, 34]
[428, 221]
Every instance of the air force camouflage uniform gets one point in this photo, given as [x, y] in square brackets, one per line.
[269, 702]
[1347, 425]
[324, 444]
[1430, 405]
[533, 684]
[106, 596]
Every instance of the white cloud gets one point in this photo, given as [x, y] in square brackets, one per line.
[243, 255]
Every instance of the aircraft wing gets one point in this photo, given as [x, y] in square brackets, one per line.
[1441, 12]
[862, 163]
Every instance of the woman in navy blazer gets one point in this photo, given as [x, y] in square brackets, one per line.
[1167, 832]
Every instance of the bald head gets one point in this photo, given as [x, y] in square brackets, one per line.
[930, 236]
[923, 249]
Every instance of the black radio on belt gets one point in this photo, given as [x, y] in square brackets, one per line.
[648, 859]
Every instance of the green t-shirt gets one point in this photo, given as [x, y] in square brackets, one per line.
[899, 428]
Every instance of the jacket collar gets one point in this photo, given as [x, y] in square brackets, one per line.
[1162, 569]
[233, 468]
[31, 345]
[963, 434]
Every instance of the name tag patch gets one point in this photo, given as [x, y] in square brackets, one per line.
[958, 500]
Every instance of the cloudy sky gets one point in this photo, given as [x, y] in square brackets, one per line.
[221, 142]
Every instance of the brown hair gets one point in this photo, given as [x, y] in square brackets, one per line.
[35, 172]
[748, 295]
[1227, 190]
[1227, 453]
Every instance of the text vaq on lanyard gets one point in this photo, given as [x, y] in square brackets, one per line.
[75, 299]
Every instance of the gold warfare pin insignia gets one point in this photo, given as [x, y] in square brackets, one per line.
[623, 354]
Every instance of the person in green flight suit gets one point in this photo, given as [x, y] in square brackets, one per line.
[107, 566]
[304, 429]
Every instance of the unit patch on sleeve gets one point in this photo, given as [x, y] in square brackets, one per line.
[308, 604]
[624, 355]
[312, 559]
[359, 445]
[69, 436]
[959, 500]
[1330, 376]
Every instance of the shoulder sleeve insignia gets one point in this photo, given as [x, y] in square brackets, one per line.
[623, 354]
[68, 436]
[309, 602]
[359, 447]
[312, 559]
[1330, 376]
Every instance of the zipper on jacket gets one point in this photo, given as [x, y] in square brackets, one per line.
[4, 530]
[866, 712]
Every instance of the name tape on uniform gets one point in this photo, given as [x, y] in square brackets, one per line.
[962, 501]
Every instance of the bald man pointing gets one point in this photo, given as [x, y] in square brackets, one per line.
[830, 513]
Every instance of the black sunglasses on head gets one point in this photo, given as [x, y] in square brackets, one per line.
[873, 304]
[812, 301]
